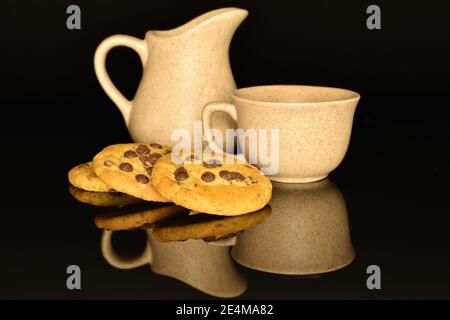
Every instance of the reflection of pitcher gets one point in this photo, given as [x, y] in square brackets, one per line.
[308, 232]
[183, 69]
[205, 267]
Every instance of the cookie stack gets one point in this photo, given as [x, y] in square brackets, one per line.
[127, 174]
[118, 176]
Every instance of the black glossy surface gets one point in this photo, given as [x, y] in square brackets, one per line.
[397, 208]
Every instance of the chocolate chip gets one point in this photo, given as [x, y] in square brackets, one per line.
[142, 178]
[145, 159]
[217, 238]
[208, 176]
[167, 151]
[212, 163]
[229, 236]
[154, 157]
[125, 166]
[237, 176]
[180, 174]
[155, 145]
[225, 174]
[142, 149]
[130, 154]
[150, 159]
[108, 163]
[149, 170]
[252, 180]
[192, 157]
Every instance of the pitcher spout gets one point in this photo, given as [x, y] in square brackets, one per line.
[220, 19]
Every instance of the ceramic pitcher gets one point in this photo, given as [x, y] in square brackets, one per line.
[183, 69]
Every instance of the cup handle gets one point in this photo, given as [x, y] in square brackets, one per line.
[117, 261]
[207, 112]
[108, 86]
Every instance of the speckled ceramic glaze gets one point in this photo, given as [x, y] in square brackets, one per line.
[207, 268]
[314, 125]
[183, 69]
[307, 233]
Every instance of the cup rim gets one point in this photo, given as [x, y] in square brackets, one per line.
[354, 95]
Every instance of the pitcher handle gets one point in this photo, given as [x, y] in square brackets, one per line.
[117, 261]
[108, 86]
[207, 112]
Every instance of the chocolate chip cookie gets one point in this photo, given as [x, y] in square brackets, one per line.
[103, 199]
[142, 216]
[83, 177]
[128, 168]
[210, 185]
[207, 227]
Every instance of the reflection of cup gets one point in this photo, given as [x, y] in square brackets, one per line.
[194, 262]
[314, 126]
[307, 233]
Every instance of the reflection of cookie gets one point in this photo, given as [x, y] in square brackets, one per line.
[207, 227]
[142, 216]
[83, 177]
[103, 199]
[128, 168]
[211, 186]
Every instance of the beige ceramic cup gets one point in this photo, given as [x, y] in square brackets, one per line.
[307, 233]
[314, 126]
[208, 268]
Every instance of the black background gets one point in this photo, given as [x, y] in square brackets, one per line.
[394, 177]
